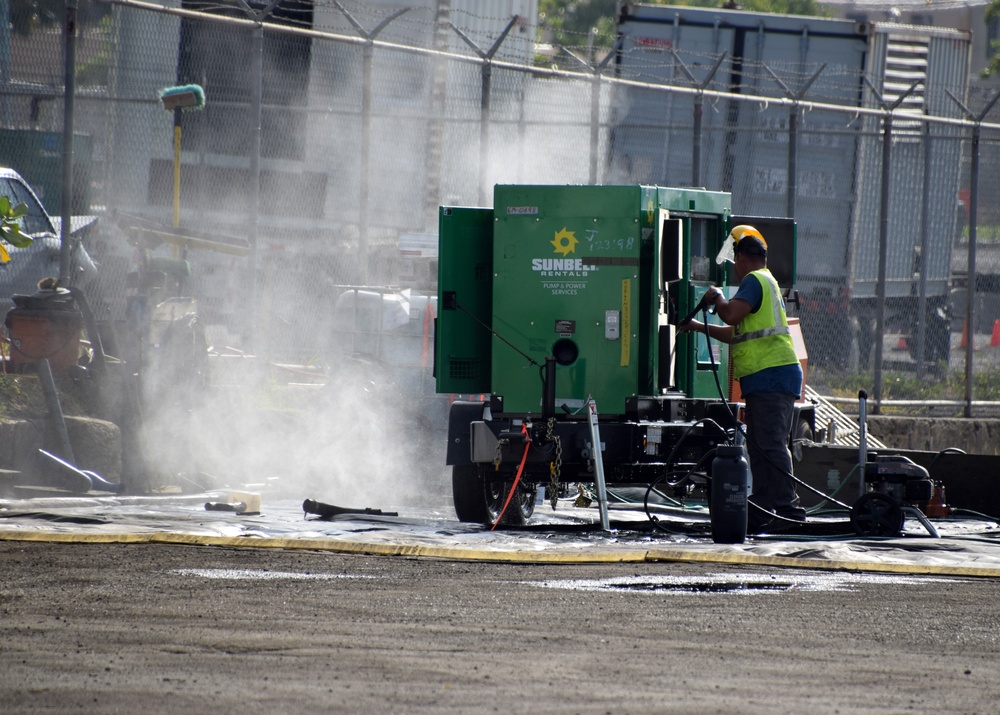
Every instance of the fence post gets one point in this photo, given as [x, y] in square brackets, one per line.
[65, 254]
[883, 231]
[793, 134]
[970, 291]
[925, 221]
[883, 251]
[256, 112]
[699, 111]
[368, 56]
[484, 101]
[5, 110]
[595, 104]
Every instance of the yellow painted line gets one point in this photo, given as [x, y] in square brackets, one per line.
[347, 547]
[457, 553]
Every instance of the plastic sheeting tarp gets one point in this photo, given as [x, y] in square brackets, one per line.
[967, 545]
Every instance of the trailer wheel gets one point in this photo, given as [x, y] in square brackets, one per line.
[803, 433]
[479, 494]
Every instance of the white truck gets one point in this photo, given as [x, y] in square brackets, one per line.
[41, 259]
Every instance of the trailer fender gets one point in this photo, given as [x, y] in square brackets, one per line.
[460, 418]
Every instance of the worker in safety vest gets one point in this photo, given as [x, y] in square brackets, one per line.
[765, 363]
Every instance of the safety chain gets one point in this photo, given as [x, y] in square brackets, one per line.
[555, 467]
[501, 443]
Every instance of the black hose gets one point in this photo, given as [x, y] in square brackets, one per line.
[742, 428]
[710, 454]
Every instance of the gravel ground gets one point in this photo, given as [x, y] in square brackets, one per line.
[130, 628]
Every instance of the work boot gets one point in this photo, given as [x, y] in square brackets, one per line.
[792, 513]
[758, 518]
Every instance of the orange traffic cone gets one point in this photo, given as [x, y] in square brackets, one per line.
[995, 337]
[965, 334]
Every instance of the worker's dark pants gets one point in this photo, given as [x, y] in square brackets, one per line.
[769, 421]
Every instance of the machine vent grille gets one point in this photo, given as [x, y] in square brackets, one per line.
[464, 368]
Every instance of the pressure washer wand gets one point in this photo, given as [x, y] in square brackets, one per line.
[702, 305]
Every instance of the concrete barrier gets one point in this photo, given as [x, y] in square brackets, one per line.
[932, 434]
[96, 445]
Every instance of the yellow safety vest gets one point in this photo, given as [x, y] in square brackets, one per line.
[762, 340]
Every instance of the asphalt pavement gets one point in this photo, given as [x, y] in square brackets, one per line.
[161, 606]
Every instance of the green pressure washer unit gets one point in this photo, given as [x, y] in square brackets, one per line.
[561, 300]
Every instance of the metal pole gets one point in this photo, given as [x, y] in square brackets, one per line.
[883, 251]
[699, 110]
[256, 102]
[793, 153]
[924, 242]
[484, 102]
[597, 453]
[595, 125]
[368, 55]
[66, 213]
[970, 291]
[177, 167]
[793, 130]
[595, 104]
[484, 132]
[862, 439]
[5, 114]
[883, 244]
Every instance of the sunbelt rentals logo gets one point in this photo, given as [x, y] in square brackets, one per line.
[564, 243]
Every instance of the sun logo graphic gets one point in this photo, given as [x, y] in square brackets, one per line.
[565, 242]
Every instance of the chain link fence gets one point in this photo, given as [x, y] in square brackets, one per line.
[332, 131]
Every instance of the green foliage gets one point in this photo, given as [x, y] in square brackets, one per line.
[95, 71]
[993, 67]
[10, 227]
[27, 16]
[22, 397]
[19, 397]
[949, 385]
[579, 25]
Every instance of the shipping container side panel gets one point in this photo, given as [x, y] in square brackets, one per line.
[826, 154]
[948, 71]
[653, 129]
[465, 302]
[921, 216]
[566, 265]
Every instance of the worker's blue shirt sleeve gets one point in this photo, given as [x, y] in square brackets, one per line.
[750, 291]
